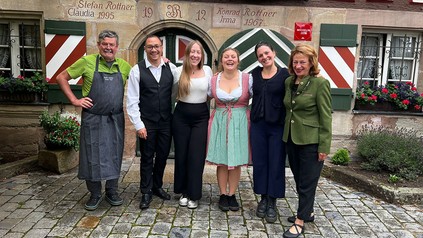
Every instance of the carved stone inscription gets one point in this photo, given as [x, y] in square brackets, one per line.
[235, 16]
[99, 9]
[220, 15]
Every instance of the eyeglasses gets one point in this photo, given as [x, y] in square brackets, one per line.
[150, 47]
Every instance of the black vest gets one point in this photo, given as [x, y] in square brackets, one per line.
[268, 97]
[155, 98]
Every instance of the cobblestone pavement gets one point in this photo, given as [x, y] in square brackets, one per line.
[41, 204]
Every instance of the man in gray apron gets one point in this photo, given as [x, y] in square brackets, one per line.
[102, 119]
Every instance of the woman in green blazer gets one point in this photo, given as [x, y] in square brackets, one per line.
[308, 130]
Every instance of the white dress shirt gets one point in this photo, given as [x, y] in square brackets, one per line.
[133, 93]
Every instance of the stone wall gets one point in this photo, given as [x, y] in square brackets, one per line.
[21, 135]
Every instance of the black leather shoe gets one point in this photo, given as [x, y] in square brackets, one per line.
[159, 192]
[146, 200]
[292, 219]
[93, 202]
[262, 207]
[114, 199]
[271, 213]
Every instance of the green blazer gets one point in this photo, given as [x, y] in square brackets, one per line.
[309, 112]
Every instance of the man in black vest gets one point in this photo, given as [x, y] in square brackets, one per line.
[149, 109]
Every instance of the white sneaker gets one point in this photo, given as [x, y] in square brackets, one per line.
[192, 204]
[183, 201]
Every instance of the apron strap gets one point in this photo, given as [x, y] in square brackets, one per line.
[97, 61]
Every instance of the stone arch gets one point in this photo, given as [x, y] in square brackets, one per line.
[164, 24]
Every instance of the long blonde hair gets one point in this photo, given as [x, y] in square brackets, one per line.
[185, 78]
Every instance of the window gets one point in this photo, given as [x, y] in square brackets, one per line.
[389, 57]
[20, 48]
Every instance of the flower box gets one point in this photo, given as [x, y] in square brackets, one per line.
[399, 96]
[23, 97]
[23, 89]
[383, 106]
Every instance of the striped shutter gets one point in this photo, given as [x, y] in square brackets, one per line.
[245, 42]
[338, 44]
[65, 43]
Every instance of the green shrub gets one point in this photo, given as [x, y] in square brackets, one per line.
[395, 150]
[341, 157]
[393, 178]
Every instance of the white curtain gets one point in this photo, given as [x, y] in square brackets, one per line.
[401, 58]
[4, 41]
[369, 58]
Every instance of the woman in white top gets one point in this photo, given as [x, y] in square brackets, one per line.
[189, 125]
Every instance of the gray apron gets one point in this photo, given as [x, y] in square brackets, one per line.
[102, 129]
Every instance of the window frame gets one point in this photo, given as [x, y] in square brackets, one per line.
[15, 19]
[384, 56]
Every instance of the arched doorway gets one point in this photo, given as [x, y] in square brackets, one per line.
[175, 35]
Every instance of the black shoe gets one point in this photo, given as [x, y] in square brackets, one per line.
[288, 234]
[159, 192]
[271, 213]
[233, 203]
[93, 202]
[146, 200]
[114, 199]
[262, 207]
[223, 203]
[293, 218]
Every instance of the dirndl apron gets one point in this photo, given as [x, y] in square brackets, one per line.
[102, 128]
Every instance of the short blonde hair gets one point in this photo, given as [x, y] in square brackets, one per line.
[309, 52]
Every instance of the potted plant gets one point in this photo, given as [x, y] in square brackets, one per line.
[399, 96]
[61, 140]
[22, 88]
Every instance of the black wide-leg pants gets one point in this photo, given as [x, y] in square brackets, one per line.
[189, 129]
[268, 154]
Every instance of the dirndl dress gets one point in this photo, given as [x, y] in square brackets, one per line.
[228, 130]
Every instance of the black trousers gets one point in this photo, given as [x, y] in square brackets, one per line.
[189, 129]
[154, 153]
[306, 168]
[268, 154]
[95, 187]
